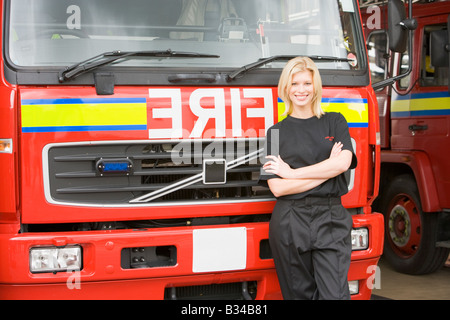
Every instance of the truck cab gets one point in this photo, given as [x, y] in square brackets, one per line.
[414, 121]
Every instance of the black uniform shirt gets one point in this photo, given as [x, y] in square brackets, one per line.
[303, 142]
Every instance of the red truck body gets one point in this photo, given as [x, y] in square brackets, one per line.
[106, 189]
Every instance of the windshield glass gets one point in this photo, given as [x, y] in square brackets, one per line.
[57, 33]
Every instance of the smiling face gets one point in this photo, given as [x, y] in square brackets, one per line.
[300, 87]
[301, 93]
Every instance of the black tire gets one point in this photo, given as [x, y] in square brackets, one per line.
[410, 235]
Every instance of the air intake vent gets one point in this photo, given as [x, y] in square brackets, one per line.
[226, 291]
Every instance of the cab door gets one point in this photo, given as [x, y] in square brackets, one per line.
[424, 112]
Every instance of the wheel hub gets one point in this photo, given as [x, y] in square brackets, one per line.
[404, 226]
[399, 226]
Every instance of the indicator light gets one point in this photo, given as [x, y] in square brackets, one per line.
[122, 166]
[360, 239]
[6, 146]
[54, 259]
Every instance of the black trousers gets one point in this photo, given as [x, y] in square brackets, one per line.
[311, 246]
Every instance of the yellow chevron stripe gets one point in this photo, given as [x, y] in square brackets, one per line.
[90, 114]
[355, 113]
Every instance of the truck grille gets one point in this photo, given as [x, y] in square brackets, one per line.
[118, 174]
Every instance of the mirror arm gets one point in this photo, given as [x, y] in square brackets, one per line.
[410, 24]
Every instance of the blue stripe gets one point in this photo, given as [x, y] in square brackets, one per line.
[425, 95]
[84, 128]
[358, 124]
[83, 101]
[401, 114]
[344, 100]
[443, 112]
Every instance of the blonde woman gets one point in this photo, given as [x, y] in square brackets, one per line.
[308, 154]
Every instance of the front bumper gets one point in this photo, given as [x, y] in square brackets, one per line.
[103, 277]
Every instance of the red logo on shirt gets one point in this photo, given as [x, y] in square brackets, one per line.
[329, 138]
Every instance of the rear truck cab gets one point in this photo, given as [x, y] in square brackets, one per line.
[415, 121]
[132, 136]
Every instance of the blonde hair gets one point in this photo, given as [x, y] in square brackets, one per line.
[300, 64]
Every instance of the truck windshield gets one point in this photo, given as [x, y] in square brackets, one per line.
[59, 33]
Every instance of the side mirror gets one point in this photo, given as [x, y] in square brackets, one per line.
[399, 26]
[440, 48]
[400, 32]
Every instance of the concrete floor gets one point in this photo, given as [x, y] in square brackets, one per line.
[398, 286]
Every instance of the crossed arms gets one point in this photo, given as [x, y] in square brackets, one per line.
[299, 180]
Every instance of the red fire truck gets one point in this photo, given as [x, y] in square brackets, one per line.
[131, 137]
[414, 120]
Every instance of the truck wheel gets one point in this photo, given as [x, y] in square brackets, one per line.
[410, 235]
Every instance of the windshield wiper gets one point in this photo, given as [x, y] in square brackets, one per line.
[264, 61]
[106, 58]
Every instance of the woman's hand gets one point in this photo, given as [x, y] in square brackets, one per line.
[336, 150]
[277, 166]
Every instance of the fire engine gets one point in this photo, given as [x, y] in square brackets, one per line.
[414, 120]
[131, 139]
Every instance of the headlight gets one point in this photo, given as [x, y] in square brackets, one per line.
[353, 286]
[5, 145]
[53, 259]
[360, 239]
